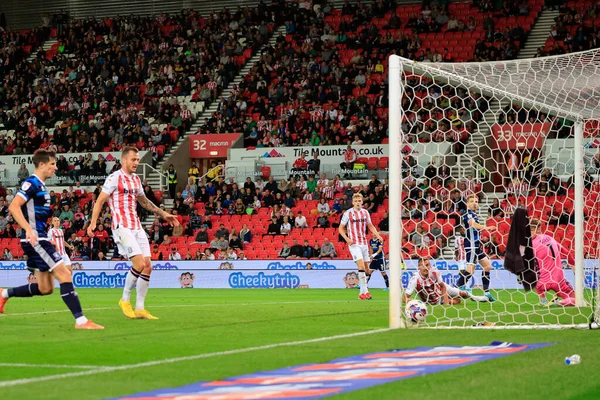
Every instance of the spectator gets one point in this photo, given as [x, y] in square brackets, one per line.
[285, 251]
[235, 242]
[172, 180]
[309, 251]
[297, 250]
[327, 249]
[245, 234]
[314, 165]
[7, 255]
[274, 227]
[222, 232]
[167, 240]
[209, 255]
[322, 221]
[202, 235]
[384, 224]
[66, 214]
[156, 254]
[193, 173]
[174, 255]
[286, 227]
[300, 165]
[495, 210]
[22, 173]
[323, 207]
[349, 159]
[300, 221]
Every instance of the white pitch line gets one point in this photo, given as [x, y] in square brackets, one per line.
[10, 365]
[191, 305]
[102, 370]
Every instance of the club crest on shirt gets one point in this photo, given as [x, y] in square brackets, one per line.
[25, 186]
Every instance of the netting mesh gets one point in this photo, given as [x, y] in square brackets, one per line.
[497, 136]
[568, 85]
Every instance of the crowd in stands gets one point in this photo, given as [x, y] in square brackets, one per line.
[107, 83]
[325, 81]
[575, 29]
[110, 82]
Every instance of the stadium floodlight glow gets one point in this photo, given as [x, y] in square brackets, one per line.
[553, 98]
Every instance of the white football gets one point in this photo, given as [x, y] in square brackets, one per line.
[416, 311]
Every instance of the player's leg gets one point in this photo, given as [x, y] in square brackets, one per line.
[68, 294]
[143, 282]
[367, 260]
[357, 256]
[67, 262]
[41, 266]
[486, 264]
[565, 292]
[386, 279]
[142, 291]
[464, 275]
[127, 245]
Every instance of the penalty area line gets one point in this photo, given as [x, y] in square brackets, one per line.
[128, 367]
[66, 366]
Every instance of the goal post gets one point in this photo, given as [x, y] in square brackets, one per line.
[499, 130]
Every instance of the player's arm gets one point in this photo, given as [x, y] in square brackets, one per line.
[342, 228]
[150, 206]
[481, 227]
[96, 212]
[15, 210]
[445, 294]
[53, 239]
[410, 288]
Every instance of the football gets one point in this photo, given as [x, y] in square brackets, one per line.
[416, 311]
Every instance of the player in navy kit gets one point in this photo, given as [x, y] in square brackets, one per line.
[378, 261]
[31, 210]
[474, 251]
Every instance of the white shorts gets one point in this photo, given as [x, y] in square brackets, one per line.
[462, 265]
[66, 259]
[360, 252]
[132, 242]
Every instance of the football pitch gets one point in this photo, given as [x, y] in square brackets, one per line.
[206, 335]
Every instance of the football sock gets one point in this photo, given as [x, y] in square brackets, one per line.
[142, 291]
[71, 299]
[362, 281]
[485, 280]
[387, 280]
[130, 280]
[463, 278]
[22, 291]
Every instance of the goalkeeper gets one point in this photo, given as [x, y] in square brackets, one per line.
[551, 276]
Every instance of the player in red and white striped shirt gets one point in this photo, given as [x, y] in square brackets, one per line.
[123, 190]
[427, 283]
[353, 228]
[57, 237]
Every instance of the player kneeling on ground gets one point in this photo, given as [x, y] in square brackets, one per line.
[549, 255]
[428, 284]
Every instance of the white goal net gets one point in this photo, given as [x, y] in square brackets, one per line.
[480, 143]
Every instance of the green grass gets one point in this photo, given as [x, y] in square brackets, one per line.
[204, 321]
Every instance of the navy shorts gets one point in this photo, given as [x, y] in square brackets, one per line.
[42, 257]
[474, 255]
[377, 264]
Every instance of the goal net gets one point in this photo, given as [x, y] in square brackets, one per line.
[509, 135]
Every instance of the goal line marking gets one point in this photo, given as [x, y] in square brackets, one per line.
[101, 370]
